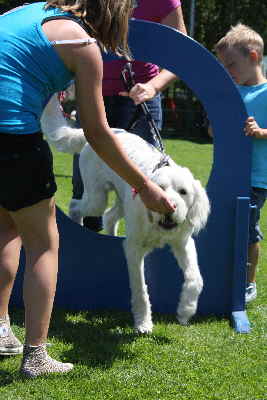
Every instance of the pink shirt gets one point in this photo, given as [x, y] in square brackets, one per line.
[149, 10]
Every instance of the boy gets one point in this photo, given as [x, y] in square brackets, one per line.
[241, 53]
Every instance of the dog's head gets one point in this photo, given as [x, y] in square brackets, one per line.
[192, 204]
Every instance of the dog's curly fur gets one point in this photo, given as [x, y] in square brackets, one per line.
[146, 230]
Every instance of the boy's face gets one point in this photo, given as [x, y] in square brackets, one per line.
[241, 67]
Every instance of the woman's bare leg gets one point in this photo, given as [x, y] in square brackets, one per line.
[38, 230]
[10, 244]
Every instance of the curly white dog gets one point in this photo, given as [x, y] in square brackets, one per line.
[146, 230]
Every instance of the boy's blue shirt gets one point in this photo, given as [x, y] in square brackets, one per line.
[255, 99]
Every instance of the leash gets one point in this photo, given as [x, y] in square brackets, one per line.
[127, 76]
[128, 79]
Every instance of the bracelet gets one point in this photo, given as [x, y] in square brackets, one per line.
[136, 191]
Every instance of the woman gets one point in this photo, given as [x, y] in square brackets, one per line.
[38, 59]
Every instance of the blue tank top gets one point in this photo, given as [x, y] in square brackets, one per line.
[30, 69]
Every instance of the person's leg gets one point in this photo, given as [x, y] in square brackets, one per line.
[253, 259]
[38, 230]
[10, 245]
[26, 166]
[257, 199]
[119, 110]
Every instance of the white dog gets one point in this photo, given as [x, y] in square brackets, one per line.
[146, 230]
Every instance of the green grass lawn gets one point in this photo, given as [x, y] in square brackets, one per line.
[204, 361]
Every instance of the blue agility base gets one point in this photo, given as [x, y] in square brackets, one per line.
[92, 268]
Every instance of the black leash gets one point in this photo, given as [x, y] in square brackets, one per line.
[127, 75]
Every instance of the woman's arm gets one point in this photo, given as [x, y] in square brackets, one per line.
[145, 91]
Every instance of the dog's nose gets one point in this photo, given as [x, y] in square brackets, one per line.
[167, 222]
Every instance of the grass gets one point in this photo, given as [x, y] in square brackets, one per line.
[204, 361]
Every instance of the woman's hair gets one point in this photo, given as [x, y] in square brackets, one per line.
[243, 38]
[106, 20]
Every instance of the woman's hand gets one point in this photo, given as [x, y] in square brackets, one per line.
[141, 92]
[155, 198]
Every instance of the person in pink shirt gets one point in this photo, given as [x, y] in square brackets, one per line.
[120, 105]
[150, 80]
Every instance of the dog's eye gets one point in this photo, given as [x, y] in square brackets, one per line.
[182, 191]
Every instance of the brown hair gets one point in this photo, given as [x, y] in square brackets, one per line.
[243, 38]
[106, 20]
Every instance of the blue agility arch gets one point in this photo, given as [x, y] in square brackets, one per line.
[92, 269]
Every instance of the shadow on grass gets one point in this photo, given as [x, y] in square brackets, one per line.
[196, 320]
[6, 378]
[99, 338]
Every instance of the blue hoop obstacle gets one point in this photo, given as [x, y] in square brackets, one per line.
[92, 269]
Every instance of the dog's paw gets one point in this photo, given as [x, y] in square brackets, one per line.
[144, 329]
[182, 320]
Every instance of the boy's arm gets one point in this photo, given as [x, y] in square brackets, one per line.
[253, 129]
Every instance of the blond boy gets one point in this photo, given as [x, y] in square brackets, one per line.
[241, 53]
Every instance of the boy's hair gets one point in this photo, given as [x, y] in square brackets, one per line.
[106, 20]
[243, 38]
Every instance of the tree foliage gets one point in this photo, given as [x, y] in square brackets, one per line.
[213, 18]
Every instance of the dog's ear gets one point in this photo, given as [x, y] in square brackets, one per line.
[200, 209]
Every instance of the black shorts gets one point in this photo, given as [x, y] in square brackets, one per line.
[26, 170]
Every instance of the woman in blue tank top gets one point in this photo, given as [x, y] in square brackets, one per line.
[43, 47]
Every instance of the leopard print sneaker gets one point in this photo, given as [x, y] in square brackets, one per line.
[9, 344]
[37, 362]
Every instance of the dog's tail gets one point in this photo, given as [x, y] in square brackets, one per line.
[58, 131]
